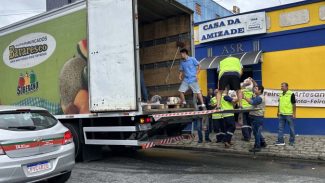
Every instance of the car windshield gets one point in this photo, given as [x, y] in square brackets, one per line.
[26, 120]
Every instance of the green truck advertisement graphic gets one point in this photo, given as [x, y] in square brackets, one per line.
[45, 65]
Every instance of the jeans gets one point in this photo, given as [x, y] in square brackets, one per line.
[199, 128]
[282, 122]
[219, 129]
[247, 126]
[257, 124]
[230, 127]
[211, 125]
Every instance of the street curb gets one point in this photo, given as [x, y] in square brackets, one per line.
[259, 154]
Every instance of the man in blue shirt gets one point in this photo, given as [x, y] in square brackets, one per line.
[189, 69]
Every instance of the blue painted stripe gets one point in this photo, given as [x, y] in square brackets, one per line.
[284, 40]
[303, 126]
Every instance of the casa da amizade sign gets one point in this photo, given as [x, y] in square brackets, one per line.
[234, 26]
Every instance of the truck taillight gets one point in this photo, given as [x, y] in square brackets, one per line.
[148, 120]
[145, 120]
[67, 138]
[2, 152]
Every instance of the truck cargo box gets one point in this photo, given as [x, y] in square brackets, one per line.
[46, 63]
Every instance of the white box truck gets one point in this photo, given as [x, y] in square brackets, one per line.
[82, 63]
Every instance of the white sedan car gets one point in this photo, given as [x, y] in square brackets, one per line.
[34, 146]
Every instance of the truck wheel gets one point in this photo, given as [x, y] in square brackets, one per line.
[76, 139]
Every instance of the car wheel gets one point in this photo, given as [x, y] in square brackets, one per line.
[76, 139]
[60, 179]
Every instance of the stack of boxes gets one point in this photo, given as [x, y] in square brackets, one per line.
[158, 46]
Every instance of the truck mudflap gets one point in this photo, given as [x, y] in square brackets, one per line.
[169, 140]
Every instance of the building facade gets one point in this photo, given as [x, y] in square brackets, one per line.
[291, 50]
[53, 4]
[206, 9]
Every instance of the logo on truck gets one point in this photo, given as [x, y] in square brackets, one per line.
[29, 50]
[27, 83]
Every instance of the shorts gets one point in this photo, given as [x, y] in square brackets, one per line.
[232, 81]
[194, 87]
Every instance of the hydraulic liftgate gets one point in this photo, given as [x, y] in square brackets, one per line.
[147, 135]
[162, 120]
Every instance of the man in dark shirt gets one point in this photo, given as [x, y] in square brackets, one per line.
[209, 107]
[208, 99]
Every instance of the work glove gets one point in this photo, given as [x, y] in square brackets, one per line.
[227, 98]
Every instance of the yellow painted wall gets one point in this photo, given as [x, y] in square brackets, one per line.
[203, 82]
[303, 69]
[313, 14]
[196, 35]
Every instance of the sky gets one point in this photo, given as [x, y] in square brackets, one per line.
[14, 10]
[249, 5]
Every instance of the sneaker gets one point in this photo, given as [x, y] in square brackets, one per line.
[199, 142]
[280, 144]
[208, 140]
[255, 149]
[227, 145]
[263, 145]
[291, 144]
[183, 104]
[202, 107]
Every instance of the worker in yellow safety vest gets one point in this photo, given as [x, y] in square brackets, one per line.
[230, 72]
[217, 120]
[286, 114]
[247, 92]
[227, 103]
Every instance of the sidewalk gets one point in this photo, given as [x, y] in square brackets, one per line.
[306, 147]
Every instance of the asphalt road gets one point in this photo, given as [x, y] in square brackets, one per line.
[168, 165]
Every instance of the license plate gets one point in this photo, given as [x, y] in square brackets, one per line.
[38, 167]
[143, 127]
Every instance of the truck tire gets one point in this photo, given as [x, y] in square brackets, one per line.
[60, 179]
[74, 129]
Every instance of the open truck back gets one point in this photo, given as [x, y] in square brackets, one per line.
[82, 62]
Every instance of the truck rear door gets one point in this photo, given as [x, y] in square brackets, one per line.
[112, 60]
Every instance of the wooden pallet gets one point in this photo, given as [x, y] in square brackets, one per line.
[173, 106]
[153, 106]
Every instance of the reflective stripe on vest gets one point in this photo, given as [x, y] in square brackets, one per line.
[213, 102]
[230, 64]
[286, 107]
[247, 94]
[217, 116]
[226, 106]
